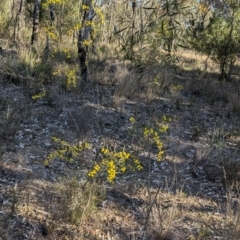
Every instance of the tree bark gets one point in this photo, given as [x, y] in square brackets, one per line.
[35, 21]
[47, 47]
[17, 21]
[84, 36]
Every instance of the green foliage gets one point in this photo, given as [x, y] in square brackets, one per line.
[66, 15]
[220, 38]
[148, 30]
[216, 39]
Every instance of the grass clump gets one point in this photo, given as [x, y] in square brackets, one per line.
[78, 200]
[27, 68]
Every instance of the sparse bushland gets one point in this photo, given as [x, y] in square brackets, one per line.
[146, 148]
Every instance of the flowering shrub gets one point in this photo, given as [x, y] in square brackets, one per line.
[113, 163]
[110, 163]
[69, 76]
[48, 2]
[71, 79]
[51, 32]
[66, 151]
[38, 96]
[153, 135]
[177, 87]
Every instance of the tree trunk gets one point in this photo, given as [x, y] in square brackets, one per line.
[35, 21]
[47, 46]
[17, 21]
[84, 36]
[223, 74]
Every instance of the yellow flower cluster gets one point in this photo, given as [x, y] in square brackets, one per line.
[56, 72]
[105, 151]
[48, 2]
[89, 23]
[163, 128]
[71, 79]
[111, 170]
[67, 52]
[177, 87]
[52, 35]
[115, 162]
[94, 171]
[99, 12]
[150, 134]
[153, 136]
[66, 151]
[87, 43]
[77, 26]
[85, 7]
[37, 96]
[138, 165]
[49, 31]
[132, 120]
[54, 51]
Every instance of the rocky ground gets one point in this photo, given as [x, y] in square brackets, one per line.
[195, 185]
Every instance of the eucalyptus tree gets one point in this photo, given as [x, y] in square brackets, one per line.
[35, 28]
[87, 14]
[147, 30]
[11, 18]
[217, 33]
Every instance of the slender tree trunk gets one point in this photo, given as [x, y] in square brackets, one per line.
[47, 47]
[84, 36]
[223, 63]
[60, 18]
[17, 21]
[223, 74]
[110, 5]
[51, 12]
[13, 8]
[35, 21]
[131, 55]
